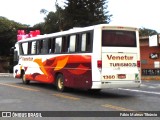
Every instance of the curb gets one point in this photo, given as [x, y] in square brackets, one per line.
[6, 74]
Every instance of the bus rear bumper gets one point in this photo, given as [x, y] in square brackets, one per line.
[116, 84]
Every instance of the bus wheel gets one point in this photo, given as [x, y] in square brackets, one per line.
[60, 83]
[24, 80]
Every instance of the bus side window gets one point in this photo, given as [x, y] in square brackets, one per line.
[44, 48]
[86, 42]
[72, 44]
[38, 47]
[29, 47]
[64, 44]
[20, 49]
[25, 48]
[68, 43]
[51, 45]
[58, 45]
[78, 43]
[83, 42]
[33, 47]
[41, 47]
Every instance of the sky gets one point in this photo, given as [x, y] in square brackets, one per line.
[136, 13]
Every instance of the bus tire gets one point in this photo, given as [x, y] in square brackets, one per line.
[24, 80]
[60, 83]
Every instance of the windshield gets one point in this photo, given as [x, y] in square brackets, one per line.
[117, 38]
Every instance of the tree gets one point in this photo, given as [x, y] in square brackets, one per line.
[147, 32]
[8, 34]
[43, 11]
[40, 26]
[53, 20]
[8, 37]
[76, 13]
[80, 13]
[51, 24]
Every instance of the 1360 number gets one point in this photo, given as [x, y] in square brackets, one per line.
[109, 77]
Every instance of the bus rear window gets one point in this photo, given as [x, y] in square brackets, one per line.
[117, 38]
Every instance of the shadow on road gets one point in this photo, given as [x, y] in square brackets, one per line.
[105, 93]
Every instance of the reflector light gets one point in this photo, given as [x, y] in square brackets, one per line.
[138, 63]
[99, 63]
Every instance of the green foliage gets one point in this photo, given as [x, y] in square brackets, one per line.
[51, 22]
[8, 34]
[40, 26]
[147, 32]
[81, 13]
[76, 13]
[44, 11]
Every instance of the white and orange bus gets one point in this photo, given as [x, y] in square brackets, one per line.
[95, 57]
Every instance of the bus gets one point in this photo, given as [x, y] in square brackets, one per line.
[90, 58]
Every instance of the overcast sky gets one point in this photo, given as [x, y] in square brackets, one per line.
[139, 13]
[136, 13]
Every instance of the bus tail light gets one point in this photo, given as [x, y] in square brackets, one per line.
[99, 64]
[138, 63]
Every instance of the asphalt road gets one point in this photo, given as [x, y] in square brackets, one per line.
[15, 96]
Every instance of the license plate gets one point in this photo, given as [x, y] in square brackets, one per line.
[122, 76]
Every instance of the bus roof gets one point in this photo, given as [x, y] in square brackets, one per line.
[80, 29]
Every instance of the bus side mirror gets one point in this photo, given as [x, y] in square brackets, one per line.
[12, 50]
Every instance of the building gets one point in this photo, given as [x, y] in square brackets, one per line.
[150, 56]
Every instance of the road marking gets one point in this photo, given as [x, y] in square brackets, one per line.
[140, 91]
[117, 107]
[152, 86]
[15, 86]
[66, 96]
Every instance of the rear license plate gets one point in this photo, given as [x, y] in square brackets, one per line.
[121, 76]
